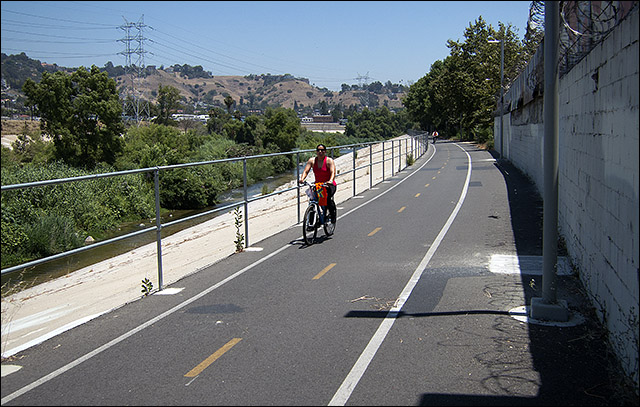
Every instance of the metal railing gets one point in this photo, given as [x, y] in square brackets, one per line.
[415, 144]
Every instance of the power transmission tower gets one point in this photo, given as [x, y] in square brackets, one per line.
[364, 79]
[133, 105]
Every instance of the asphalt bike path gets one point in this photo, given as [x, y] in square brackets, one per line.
[399, 306]
[285, 312]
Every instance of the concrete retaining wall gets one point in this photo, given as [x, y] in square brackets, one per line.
[598, 176]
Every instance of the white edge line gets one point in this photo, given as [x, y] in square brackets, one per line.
[341, 396]
[122, 337]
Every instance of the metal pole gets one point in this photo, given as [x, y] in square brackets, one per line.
[392, 162]
[501, 97]
[547, 307]
[156, 182]
[400, 155]
[298, 180]
[383, 160]
[370, 166]
[353, 149]
[246, 204]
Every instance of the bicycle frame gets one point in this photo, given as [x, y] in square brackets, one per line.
[313, 200]
[315, 215]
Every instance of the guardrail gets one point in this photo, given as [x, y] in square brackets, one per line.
[415, 144]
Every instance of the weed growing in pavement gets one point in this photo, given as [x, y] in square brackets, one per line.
[239, 236]
[147, 286]
[410, 160]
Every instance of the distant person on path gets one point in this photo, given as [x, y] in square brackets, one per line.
[324, 170]
[435, 136]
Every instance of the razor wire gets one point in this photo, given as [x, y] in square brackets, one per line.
[584, 25]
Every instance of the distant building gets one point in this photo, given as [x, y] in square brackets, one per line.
[323, 118]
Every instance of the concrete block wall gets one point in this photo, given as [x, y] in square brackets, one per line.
[598, 177]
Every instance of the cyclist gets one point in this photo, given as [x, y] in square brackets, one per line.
[324, 170]
[435, 136]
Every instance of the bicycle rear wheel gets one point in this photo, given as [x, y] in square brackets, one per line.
[329, 227]
[310, 225]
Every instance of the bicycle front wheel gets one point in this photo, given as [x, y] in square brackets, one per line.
[310, 225]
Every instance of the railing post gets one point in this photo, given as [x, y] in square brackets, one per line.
[156, 182]
[370, 166]
[298, 179]
[383, 158]
[399, 155]
[246, 203]
[392, 161]
[353, 149]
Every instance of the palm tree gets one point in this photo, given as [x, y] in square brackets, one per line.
[228, 101]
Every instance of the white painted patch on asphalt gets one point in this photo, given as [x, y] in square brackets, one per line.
[37, 318]
[522, 315]
[51, 335]
[513, 264]
[8, 369]
[169, 291]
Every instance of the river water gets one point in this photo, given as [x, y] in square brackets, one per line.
[60, 267]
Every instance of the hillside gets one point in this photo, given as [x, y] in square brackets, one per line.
[255, 91]
[201, 91]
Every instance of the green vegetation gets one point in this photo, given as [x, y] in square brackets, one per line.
[81, 113]
[147, 286]
[41, 221]
[238, 224]
[459, 95]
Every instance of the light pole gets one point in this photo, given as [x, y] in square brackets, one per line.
[501, 89]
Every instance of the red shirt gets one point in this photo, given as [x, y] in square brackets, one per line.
[322, 173]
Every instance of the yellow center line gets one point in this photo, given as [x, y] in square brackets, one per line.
[320, 274]
[376, 230]
[418, 194]
[426, 185]
[205, 363]
[401, 209]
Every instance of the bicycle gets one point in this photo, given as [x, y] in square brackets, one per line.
[315, 215]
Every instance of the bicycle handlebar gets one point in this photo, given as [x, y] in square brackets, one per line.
[305, 182]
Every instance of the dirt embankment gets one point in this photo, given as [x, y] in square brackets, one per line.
[12, 128]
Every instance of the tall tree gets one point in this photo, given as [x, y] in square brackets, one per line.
[283, 128]
[460, 93]
[81, 112]
[228, 101]
[168, 103]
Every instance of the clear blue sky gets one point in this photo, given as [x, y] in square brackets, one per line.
[328, 42]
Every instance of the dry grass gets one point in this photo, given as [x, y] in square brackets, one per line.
[15, 127]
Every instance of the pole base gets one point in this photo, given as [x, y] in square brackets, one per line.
[549, 312]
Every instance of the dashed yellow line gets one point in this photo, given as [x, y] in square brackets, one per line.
[376, 230]
[418, 194]
[205, 363]
[426, 185]
[401, 209]
[322, 273]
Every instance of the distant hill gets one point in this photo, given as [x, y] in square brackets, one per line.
[202, 91]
